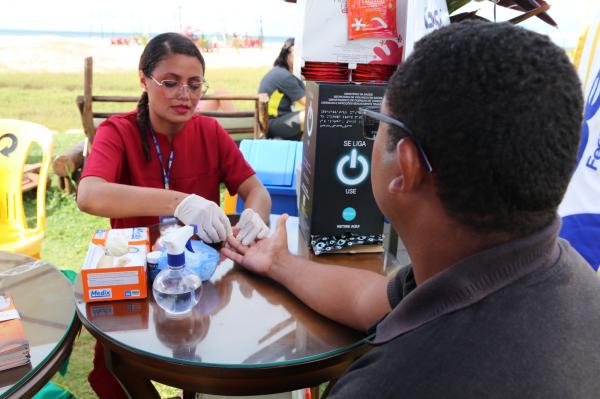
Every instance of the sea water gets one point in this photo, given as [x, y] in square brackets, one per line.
[177, 295]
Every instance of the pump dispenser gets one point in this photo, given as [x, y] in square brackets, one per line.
[176, 289]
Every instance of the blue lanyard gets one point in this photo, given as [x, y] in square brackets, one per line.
[165, 173]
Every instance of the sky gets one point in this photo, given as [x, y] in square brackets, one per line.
[278, 18]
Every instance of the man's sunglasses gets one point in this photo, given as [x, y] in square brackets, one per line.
[370, 124]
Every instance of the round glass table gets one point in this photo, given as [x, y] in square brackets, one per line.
[247, 335]
[44, 300]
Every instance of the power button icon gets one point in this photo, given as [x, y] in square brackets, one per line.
[352, 169]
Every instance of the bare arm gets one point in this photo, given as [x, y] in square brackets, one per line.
[354, 297]
[255, 196]
[101, 198]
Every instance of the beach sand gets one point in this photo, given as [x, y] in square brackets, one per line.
[64, 54]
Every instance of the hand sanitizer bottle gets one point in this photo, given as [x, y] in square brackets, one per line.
[176, 289]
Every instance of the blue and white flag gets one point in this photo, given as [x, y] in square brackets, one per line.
[580, 209]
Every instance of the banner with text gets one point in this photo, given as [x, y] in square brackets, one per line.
[580, 209]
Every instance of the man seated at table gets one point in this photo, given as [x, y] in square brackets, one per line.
[494, 305]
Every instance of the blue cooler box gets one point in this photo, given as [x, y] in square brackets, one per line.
[275, 164]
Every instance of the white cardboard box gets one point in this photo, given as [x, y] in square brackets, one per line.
[323, 37]
[323, 33]
[127, 278]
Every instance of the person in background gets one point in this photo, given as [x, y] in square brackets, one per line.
[284, 89]
[474, 147]
[163, 160]
[217, 104]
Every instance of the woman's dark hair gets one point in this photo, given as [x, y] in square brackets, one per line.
[156, 50]
[498, 111]
[281, 60]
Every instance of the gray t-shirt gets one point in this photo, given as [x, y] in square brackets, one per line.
[521, 320]
[283, 89]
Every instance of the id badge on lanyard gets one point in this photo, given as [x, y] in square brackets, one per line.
[165, 173]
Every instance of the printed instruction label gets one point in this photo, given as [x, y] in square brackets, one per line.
[113, 278]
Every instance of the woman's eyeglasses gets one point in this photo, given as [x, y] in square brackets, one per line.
[172, 87]
[370, 125]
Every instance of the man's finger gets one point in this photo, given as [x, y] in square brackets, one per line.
[234, 256]
[236, 245]
[281, 225]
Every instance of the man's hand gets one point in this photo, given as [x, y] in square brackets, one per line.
[213, 224]
[263, 254]
[251, 227]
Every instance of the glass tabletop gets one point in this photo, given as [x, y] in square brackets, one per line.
[44, 300]
[241, 321]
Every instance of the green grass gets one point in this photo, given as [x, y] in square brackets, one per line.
[49, 99]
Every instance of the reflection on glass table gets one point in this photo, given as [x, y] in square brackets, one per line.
[246, 336]
[44, 300]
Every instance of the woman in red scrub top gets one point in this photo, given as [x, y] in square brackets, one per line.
[164, 160]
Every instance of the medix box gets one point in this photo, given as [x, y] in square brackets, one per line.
[127, 279]
[335, 192]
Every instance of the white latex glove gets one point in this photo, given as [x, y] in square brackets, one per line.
[251, 227]
[213, 225]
